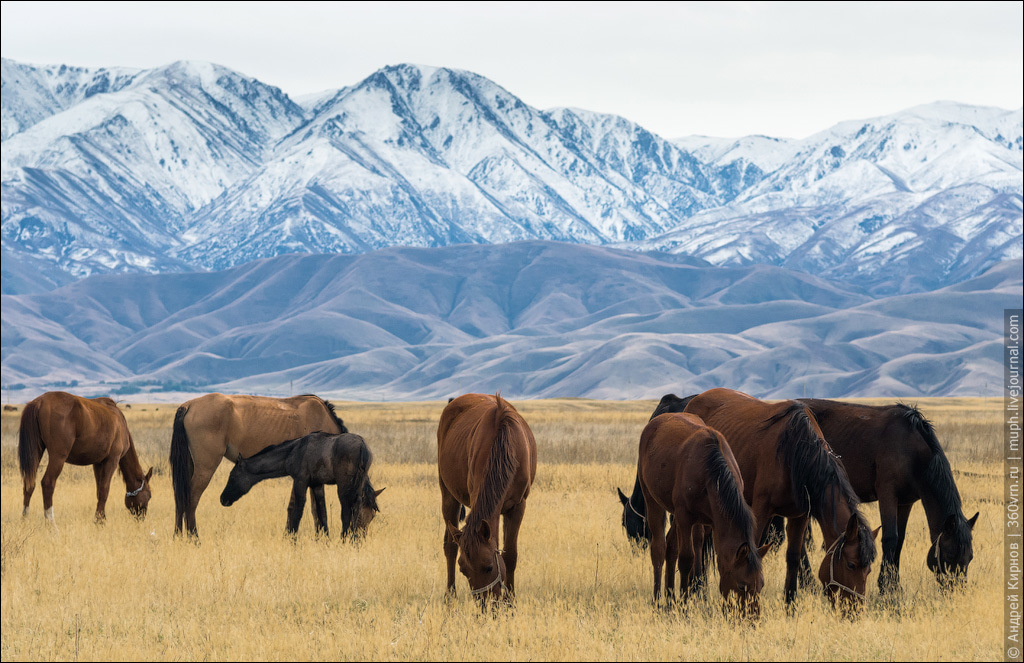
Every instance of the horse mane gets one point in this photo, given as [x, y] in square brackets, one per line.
[815, 471]
[130, 458]
[730, 496]
[501, 467]
[938, 474]
[334, 416]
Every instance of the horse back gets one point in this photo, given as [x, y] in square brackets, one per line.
[84, 431]
[232, 425]
[672, 457]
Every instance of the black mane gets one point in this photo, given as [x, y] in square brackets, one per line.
[816, 474]
[731, 498]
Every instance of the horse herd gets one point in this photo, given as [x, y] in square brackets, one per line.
[724, 466]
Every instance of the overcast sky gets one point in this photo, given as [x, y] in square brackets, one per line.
[720, 69]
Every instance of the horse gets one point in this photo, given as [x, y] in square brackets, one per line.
[486, 461]
[892, 455]
[211, 427]
[80, 431]
[315, 460]
[687, 468]
[789, 469]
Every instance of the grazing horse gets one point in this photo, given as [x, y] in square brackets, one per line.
[892, 455]
[316, 460]
[215, 426]
[486, 460]
[688, 469]
[789, 469]
[80, 431]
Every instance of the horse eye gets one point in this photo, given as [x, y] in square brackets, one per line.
[488, 569]
[851, 566]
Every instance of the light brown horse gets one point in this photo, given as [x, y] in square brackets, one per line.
[80, 431]
[687, 469]
[215, 426]
[486, 460]
[789, 470]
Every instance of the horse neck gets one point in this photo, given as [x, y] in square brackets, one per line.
[131, 468]
[501, 468]
[939, 495]
[836, 514]
[270, 463]
[730, 514]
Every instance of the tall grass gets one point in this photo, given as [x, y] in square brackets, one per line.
[129, 590]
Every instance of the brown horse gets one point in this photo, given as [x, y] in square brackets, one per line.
[215, 426]
[687, 469]
[486, 460]
[789, 470]
[80, 431]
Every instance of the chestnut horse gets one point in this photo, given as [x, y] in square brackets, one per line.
[80, 431]
[215, 426]
[486, 460]
[687, 469]
[789, 469]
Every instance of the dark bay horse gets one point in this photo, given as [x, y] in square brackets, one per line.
[315, 460]
[80, 431]
[788, 469]
[687, 469]
[215, 426]
[486, 460]
[892, 455]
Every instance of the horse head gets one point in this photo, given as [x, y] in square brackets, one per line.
[480, 561]
[364, 510]
[952, 551]
[240, 482]
[137, 501]
[844, 570]
[634, 522]
[741, 578]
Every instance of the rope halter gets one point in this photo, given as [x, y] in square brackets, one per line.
[633, 509]
[834, 551]
[138, 490]
[498, 580]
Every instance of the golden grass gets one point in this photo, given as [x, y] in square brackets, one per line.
[127, 590]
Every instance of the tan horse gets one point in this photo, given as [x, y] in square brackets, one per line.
[80, 431]
[215, 426]
[486, 460]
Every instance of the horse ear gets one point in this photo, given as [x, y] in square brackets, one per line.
[377, 493]
[874, 535]
[454, 531]
[485, 530]
[974, 519]
[852, 527]
[763, 550]
[149, 475]
[742, 552]
[622, 497]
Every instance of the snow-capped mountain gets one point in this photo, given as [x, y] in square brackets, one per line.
[195, 166]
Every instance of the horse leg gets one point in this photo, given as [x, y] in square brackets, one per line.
[806, 576]
[698, 574]
[104, 474]
[200, 480]
[450, 515]
[671, 559]
[902, 516]
[795, 528]
[513, 519]
[889, 574]
[296, 505]
[318, 507]
[687, 560]
[49, 482]
[656, 520]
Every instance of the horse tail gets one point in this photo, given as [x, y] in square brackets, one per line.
[30, 444]
[182, 465]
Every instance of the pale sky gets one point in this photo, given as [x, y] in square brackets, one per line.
[718, 69]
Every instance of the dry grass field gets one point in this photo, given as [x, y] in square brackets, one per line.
[129, 590]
